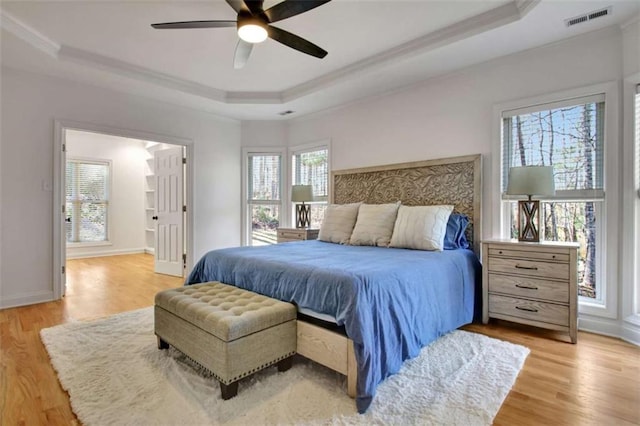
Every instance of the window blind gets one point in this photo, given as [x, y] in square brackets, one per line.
[87, 199]
[264, 177]
[312, 168]
[567, 135]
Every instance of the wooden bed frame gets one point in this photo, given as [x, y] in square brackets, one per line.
[456, 180]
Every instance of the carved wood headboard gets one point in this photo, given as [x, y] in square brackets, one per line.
[455, 180]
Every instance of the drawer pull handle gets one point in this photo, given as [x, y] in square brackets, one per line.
[528, 287]
[531, 268]
[526, 309]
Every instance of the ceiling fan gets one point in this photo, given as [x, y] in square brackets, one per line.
[253, 24]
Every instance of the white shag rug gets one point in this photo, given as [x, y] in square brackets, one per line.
[115, 374]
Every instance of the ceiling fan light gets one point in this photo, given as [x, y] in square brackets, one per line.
[252, 33]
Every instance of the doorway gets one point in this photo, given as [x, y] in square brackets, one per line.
[139, 201]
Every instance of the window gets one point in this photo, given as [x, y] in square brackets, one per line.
[264, 197]
[87, 201]
[569, 136]
[311, 167]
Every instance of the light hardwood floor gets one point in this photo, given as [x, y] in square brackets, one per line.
[594, 382]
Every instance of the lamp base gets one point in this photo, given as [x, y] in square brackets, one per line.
[529, 221]
[303, 215]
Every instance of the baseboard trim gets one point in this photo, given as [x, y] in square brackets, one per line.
[631, 334]
[26, 299]
[104, 253]
[610, 328]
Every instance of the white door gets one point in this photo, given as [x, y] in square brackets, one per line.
[62, 246]
[169, 202]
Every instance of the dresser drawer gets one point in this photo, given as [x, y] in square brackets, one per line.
[530, 268]
[553, 291]
[530, 310]
[529, 254]
[288, 240]
[290, 234]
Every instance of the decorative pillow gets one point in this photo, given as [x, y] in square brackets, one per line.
[338, 223]
[455, 236]
[421, 227]
[374, 225]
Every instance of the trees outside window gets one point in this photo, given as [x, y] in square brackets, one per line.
[264, 201]
[87, 201]
[570, 137]
[311, 167]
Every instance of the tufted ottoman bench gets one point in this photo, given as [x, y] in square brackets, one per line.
[229, 331]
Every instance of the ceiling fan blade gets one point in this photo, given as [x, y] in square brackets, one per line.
[194, 24]
[295, 42]
[255, 6]
[289, 8]
[243, 50]
[237, 5]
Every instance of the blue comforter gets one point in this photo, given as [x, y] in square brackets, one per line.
[391, 302]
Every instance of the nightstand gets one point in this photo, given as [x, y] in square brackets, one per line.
[296, 234]
[531, 283]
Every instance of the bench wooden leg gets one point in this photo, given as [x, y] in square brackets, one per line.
[162, 344]
[229, 391]
[285, 364]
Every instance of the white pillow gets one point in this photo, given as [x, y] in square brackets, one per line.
[374, 225]
[421, 227]
[338, 223]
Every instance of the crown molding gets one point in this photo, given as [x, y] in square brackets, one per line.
[126, 69]
[628, 23]
[525, 6]
[264, 98]
[491, 19]
[494, 18]
[28, 34]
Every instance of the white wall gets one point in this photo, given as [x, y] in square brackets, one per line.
[126, 220]
[264, 133]
[30, 104]
[631, 51]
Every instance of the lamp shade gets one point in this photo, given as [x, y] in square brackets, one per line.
[531, 180]
[301, 193]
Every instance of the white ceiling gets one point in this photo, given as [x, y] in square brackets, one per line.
[374, 46]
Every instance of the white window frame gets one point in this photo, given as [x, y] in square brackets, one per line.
[301, 149]
[609, 215]
[631, 207]
[284, 172]
[100, 161]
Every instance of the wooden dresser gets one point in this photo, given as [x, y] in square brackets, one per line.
[531, 283]
[296, 234]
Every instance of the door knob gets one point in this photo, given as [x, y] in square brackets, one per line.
[154, 217]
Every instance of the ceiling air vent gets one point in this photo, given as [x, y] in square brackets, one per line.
[588, 16]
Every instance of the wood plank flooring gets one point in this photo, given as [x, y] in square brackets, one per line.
[30, 393]
[596, 382]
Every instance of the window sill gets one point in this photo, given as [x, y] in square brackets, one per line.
[595, 308]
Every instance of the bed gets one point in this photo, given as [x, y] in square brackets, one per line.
[365, 310]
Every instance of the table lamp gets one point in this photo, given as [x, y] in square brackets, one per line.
[530, 181]
[302, 194]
